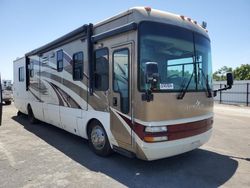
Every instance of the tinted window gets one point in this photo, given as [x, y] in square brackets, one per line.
[101, 70]
[78, 66]
[121, 77]
[21, 74]
[59, 60]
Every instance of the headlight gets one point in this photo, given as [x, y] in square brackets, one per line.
[156, 129]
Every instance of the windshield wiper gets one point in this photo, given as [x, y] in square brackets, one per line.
[209, 92]
[184, 89]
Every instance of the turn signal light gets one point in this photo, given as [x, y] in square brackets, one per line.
[155, 139]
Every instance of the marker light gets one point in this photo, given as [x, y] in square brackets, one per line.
[156, 129]
[148, 9]
[188, 19]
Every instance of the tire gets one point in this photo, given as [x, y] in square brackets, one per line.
[98, 139]
[7, 102]
[31, 116]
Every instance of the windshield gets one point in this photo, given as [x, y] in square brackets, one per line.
[181, 55]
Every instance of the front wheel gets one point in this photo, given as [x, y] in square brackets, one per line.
[98, 140]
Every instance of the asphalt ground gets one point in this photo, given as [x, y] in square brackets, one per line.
[42, 155]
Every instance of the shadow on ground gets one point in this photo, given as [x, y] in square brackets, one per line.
[199, 168]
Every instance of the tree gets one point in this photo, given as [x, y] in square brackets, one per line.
[221, 73]
[242, 72]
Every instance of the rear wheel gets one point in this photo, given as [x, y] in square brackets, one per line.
[31, 116]
[98, 140]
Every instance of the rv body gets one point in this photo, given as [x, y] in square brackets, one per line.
[97, 73]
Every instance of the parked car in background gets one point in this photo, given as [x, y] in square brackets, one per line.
[7, 93]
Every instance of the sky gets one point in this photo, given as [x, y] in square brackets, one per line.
[28, 24]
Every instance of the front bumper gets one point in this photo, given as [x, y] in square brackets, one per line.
[154, 151]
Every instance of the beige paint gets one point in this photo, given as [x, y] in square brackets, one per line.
[166, 106]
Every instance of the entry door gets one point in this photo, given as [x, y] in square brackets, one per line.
[120, 95]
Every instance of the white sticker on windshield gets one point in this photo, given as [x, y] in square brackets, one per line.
[167, 86]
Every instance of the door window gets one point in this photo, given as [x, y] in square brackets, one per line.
[121, 77]
[101, 70]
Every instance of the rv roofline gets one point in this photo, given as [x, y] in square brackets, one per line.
[73, 35]
[115, 31]
[82, 31]
[18, 58]
[113, 18]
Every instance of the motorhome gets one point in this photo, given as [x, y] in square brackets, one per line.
[138, 83]
[7, 93]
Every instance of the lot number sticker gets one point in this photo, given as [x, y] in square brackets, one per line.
[167, 86]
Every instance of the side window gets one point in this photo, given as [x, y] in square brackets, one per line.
[31, 69]
[21, 74]
[101, 70]
[78, 66]
[59, 60]
[121, 77]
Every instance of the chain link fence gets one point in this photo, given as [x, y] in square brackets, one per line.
[238, 94]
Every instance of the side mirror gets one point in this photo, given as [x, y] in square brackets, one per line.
[152, 78]
[152, 74]
[230, 79]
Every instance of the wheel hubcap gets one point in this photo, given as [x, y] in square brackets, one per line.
[98, 137]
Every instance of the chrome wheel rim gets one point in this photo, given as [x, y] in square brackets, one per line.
[98, 137]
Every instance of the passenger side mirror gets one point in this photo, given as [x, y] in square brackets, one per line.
[230, 79]
[152, 74]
